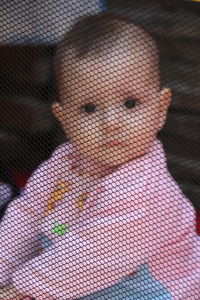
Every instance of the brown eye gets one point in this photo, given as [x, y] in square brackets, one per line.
[88, 108]
[130, 102]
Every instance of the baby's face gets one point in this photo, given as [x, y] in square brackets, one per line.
[113, 109]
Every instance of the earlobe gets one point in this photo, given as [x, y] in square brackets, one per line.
[56, 109]
[165, 99]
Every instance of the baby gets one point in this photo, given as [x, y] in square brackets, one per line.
[103, 218]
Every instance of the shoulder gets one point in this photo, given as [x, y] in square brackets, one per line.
[43, 180]
[52, 167]
[161, 184]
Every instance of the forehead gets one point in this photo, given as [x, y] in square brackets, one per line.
[115, 71]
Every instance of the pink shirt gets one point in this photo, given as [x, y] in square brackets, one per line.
[99, 230]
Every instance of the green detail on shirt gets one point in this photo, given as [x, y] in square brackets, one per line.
[59, 229]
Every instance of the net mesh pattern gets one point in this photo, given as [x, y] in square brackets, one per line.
[99, 150]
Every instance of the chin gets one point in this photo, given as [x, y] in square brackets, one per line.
[112, 160]
[117, 159]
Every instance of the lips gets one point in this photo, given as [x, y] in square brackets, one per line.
[113, 143]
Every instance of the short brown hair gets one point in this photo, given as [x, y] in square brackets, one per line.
[94, 32]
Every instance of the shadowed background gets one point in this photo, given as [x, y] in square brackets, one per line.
[28, 131]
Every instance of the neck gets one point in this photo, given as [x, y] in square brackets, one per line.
[97, 170]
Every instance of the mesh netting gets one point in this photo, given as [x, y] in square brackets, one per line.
[99, 150]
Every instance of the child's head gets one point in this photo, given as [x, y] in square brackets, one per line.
[107, 72]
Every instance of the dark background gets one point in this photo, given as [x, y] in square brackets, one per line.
[29, 132]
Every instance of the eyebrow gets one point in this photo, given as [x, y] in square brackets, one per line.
[128, 92]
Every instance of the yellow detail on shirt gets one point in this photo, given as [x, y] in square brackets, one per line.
[58, 193]
[80, 202]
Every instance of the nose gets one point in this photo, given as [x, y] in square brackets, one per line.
[112, 121]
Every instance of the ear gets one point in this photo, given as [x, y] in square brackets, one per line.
[165, 99]
[57, 110]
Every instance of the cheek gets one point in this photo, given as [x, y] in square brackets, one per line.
[142, 122]
[84, 132]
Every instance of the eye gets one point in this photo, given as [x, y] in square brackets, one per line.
[130, 102]
[88, 108]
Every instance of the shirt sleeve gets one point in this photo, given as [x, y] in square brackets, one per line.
[178, 257]
[17, 240]
[19, 227]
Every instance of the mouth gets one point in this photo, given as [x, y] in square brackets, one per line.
[114, 143]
